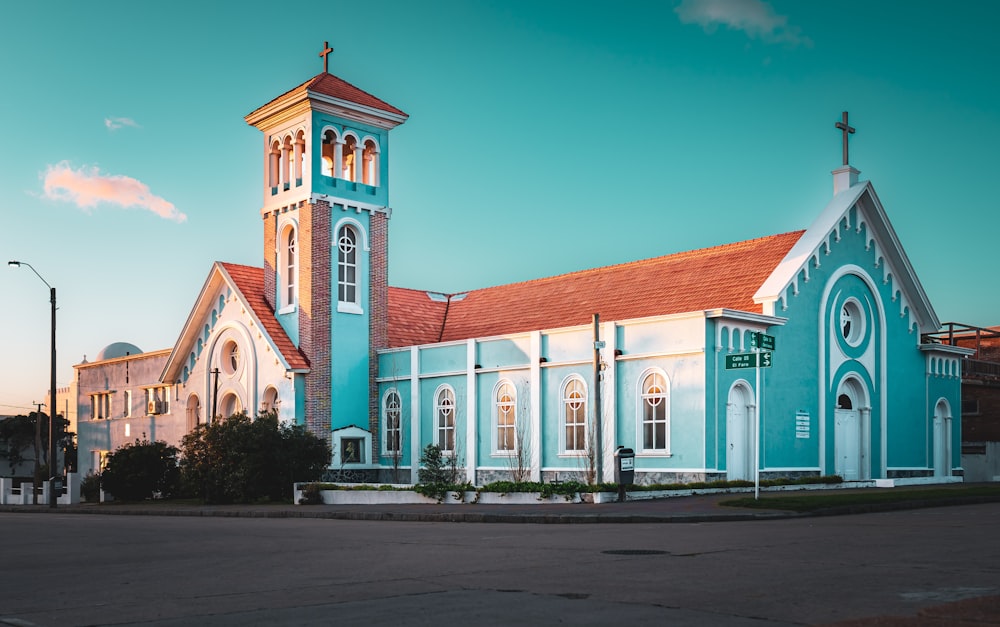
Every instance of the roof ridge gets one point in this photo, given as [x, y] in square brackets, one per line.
[636, 262]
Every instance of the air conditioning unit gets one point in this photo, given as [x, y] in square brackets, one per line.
[152, 407]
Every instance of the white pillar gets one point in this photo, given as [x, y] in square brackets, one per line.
[414, 414]
[471, 413]
[535, 402]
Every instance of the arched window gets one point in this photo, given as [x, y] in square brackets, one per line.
[287, 165]
[230, 405]
[289, 260]
[445, 411]
[392, 408]
[505, 417]
[348, 159]
[370, 157]
[347, 265]
[574, 415]
[653, 405]
[274, 166]
[328, 154]
[269, 402]
[300, 158]
[193, 412]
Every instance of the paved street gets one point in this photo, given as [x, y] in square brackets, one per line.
[169, 570]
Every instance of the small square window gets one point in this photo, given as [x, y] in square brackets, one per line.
[352, 450]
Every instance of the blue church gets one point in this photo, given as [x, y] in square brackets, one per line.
[799, 353]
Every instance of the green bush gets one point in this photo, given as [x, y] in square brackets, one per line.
[90, 488]
[243, 460]
[142, 470]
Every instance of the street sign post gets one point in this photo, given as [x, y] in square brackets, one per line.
[737, 361]
[762, 341]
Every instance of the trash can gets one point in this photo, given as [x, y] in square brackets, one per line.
[624, 469]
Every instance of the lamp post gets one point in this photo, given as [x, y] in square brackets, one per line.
[53, 465]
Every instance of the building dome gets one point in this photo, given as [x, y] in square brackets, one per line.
[118, 349]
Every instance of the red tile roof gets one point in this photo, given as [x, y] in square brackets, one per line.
[417, 319]
[724, 276]
[330, 85]
[250, 282]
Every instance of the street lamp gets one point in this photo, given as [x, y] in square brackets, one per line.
[53, 466]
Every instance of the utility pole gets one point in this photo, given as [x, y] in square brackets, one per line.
[215, 394]
[598, 436]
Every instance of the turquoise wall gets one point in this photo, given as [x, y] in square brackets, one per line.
[349, 338]
[552, 379]
[340, 187]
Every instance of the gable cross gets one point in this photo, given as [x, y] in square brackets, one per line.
[326, 60]
[846, 130]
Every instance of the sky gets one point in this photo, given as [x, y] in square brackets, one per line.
[544, 137]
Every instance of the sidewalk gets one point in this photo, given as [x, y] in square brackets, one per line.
[681, 509]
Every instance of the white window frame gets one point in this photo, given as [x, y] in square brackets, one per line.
[445, 407]
[387, 430]
[288, 264]
[564, 413]
[497, 411]
[642, 399]
[348, 302]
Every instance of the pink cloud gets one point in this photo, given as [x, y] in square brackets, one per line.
[86, 187]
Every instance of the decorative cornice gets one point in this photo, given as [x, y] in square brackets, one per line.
[350, 205]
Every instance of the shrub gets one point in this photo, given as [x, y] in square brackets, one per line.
[90, 488]
[243, 460]
[435, 468]
[141, 471]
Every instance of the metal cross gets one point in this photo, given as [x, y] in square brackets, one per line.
[326, 59]
[846, 129]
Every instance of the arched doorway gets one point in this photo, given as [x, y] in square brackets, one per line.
[942, 439]
[850, 431]
[741, 450]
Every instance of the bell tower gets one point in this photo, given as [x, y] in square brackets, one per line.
[325, 213]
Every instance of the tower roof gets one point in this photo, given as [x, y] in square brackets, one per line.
[331, 90]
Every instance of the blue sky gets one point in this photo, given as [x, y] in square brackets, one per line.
[544, 137]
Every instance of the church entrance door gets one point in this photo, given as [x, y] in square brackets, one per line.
[942, 441]
[740, 449]
[847, 444]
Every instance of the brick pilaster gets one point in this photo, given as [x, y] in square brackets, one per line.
[315, 312]
[378, 332]
[270, 262]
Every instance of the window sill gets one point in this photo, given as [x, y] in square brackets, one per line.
[287, 309]
[350, 308]
[653, 454]
[572, 455]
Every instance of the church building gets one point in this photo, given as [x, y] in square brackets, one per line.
[801, 353]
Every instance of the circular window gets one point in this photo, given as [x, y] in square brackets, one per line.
[852, 322]
[230, 357]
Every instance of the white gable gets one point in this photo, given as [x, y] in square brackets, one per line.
[889, 254]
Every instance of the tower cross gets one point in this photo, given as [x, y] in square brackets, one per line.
[326, 59]
[846, 130]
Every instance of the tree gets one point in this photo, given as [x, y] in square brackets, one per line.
[242, 460]
[142, 470]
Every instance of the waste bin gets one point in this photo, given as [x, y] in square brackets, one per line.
[624, 469]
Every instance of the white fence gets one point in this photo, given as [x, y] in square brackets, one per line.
[11, 494]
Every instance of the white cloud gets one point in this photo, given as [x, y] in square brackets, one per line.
[86, 187]
[114, 124]
[755, 17]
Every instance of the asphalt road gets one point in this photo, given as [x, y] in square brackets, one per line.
[67, 569]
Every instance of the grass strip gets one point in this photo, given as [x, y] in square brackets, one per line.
[836, 500]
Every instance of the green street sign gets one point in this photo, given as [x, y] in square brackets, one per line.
[762, 340]
[747, 360]
[741, 360]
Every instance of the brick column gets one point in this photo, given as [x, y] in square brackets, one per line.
[270, 267]
[315, 312]
[378, 332]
